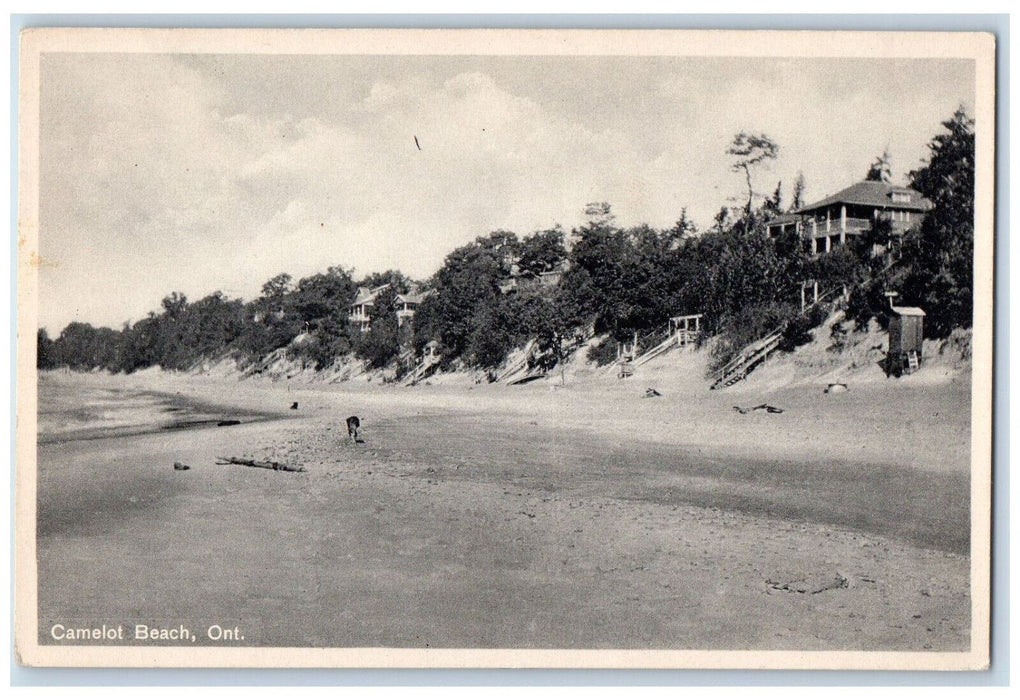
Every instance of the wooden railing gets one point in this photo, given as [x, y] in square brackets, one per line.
[519, 364]
[835, 225]
[832, 295]
[424, 368]
[652, 353]
[748, 358]
[685, 338]
[757, 352]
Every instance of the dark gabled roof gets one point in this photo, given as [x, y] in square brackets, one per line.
[873, 194]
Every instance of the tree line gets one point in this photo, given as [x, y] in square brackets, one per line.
[615, 281]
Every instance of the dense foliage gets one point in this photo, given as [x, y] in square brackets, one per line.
[465, 298]
[381, 343]
[935, 268]
[500, 291]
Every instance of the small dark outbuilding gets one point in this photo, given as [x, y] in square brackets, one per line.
[906, 337]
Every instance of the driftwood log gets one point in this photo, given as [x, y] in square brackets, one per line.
[275, 466]
[760, 407]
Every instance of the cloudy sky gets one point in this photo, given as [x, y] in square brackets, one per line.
[198, 173]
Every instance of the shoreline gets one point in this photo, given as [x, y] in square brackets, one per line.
[920, 425]
[160, 410]
[491, 518]
[793, 465]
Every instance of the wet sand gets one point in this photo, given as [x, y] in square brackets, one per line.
[488, 516]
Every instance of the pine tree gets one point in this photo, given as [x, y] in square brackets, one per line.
[750, 150]
[941, 253]
[880, 170]
[798, 192]
[774, 204]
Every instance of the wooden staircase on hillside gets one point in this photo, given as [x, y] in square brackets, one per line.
[526, 369]
[665, 346]
[758, 352]
[748, 358]
[680, 332]
[521, 370]
[838, 294]
[424, 368]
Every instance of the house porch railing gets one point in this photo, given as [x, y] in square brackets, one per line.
[853, 225]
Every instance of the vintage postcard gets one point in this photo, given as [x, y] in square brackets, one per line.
[504, 348]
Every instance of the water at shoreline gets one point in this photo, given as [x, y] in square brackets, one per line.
[80, 411]
[479, 517]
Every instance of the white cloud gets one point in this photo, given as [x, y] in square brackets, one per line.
[164, 174]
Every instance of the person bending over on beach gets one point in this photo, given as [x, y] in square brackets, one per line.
[352, 428]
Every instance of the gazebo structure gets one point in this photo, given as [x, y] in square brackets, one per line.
[687, 329]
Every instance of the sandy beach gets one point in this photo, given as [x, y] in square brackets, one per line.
[539, 516]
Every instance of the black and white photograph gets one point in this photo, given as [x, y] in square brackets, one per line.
[504, 348]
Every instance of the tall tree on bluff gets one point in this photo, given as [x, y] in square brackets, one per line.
[595, 287]
[774, 205]
[880, 170]
[941, 276]
[321, 296]
[542, 252]
[318, 305]
[212, 325]
[799, 185]
[278, 287]
[267, 325]
[748, 151]
[467, 283]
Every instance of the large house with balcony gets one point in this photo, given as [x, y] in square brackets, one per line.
[850, 212]
[407, 304]
[364, 302]
[361, 307]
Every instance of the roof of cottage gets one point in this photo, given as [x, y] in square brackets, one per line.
[413, 298]
[908, 311]
[366, 295]
[873, 194]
